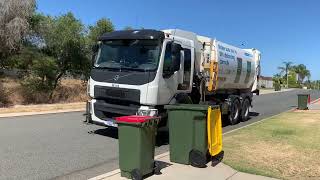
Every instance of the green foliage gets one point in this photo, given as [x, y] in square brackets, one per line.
[293, 82]
[64, 41]
[296, 75]
[302, 72]
[102, 26]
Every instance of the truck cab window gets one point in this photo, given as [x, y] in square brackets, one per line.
[167, 62]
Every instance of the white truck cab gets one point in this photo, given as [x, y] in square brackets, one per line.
[140, 71]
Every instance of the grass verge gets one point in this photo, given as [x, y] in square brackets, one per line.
[286, 146]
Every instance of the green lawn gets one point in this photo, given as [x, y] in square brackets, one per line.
[286, 146]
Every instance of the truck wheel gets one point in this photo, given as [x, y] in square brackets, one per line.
[245, 110]
[234, 114]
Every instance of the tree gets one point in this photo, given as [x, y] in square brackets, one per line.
[61, 40]
[14, 25]
[302, 72]
[285, 69]
[102, 26]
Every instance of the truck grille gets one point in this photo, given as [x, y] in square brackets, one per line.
[131, 95]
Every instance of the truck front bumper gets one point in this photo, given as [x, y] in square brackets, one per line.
[104, 114]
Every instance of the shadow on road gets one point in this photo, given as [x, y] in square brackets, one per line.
[108, 132]
[254, 114]
[162, 137]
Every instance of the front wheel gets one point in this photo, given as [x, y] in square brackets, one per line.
[234, 113]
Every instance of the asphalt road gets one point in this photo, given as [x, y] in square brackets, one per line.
[60, 146]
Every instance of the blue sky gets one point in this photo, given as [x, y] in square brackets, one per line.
[283, 30]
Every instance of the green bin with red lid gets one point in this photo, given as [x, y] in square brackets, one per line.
[136, 145]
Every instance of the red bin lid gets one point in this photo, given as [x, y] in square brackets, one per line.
[134, 119]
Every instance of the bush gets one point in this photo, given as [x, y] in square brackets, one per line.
[4, 97]
[34, 91]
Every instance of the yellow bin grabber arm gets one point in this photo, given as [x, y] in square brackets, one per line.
[213, 81]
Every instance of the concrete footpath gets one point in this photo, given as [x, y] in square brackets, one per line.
[173, 171]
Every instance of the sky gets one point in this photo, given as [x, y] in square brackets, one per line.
[283, 30]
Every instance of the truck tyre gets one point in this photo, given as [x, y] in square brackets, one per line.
[245, 110]
[234, 114]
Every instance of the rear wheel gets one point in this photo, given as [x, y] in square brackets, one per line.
[245, 110]
[234, 113]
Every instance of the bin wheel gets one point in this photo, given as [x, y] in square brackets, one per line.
[245, 110]
[234, 114]
[198, 159]
[136, 174]
[217, 159]
[157, 168]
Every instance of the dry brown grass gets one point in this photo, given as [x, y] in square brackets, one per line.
[70, 90]
[286, 147]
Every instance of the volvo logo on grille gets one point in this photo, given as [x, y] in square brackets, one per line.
[116, 78]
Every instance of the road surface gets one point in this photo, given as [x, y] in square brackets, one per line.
[60, 146]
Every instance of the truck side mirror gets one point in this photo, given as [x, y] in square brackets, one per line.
[176, 48]
[176, 56]
[95, 49]
[175, 62]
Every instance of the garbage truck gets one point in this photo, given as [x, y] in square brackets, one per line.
[138, 72]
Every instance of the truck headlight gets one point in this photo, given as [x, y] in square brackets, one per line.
[143, 111]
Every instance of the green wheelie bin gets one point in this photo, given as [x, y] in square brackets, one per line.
[303, 101]
[188, 134]
[136, 145]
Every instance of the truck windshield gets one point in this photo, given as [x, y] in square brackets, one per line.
[139, 55]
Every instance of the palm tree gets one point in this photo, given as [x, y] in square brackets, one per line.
[287, 66]
[302, 72]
